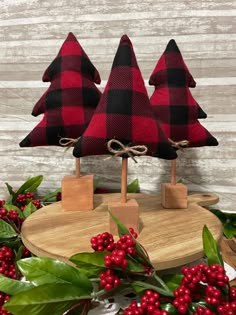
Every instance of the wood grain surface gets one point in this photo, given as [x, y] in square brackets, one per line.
[228, 251]
[31, 33]
[172, 237]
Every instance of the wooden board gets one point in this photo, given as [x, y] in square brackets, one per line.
[172, 237]
[228, 250]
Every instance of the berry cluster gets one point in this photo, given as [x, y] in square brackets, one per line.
[58, 196]
[117, 256]
[11, 215]
[7, 255]
[149, 305]
[116, 259]
[127, 244]
[135, 235]
[124, 246]
[102, 242]
[227, 308]
[105, 242]
[109, 280]
[207, 282]
[2, 203]
[3, 298]
[182, 299]
[7, 264]
[212, 275]
[203, 311]
[213, 295]
[23, 199]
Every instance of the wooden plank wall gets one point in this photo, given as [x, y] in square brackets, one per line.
[31, 33]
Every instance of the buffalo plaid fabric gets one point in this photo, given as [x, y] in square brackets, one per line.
[173, 103]
[172, 68]
[70, 101]
[124, 112]
[201, 114]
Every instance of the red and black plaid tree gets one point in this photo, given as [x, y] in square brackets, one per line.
[174, 106]
[124, 118]
[69, 102]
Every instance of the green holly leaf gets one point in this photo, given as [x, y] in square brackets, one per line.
[12, 287]
[52, 298]
[210, 247]
[30, 185]
[134, 266]
[11, 191]
[41, 270]
[19, 252]
[13, 242]
[172, 281]
[6, 230]
[138, 289]
[133, 187]
[90, 264]
[122, 229]
[29, 209]
[10, 206]
[51, 197]
[229, 230]
[169, 308]
[220, 215]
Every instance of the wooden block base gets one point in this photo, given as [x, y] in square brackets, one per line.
[77, 193]
[127, 213]
[174, 196]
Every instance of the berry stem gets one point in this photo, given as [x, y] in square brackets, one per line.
[85, 308]
[153, 287]
[161, 282]
[94, 279]
[95, 295]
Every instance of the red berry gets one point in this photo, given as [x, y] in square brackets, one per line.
[109, 280]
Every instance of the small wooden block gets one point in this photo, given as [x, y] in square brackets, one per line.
[127, 213]
[174, 196]
[77, 193]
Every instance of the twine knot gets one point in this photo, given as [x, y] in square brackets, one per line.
[180, 145]
[68, 142]
[131, 151]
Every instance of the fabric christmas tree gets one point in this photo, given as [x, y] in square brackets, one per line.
[175, 61]
[176, 109]
[124, 112]
[70, 101]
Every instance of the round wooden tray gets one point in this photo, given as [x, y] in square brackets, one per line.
[172, 237]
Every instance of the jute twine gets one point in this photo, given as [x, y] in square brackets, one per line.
[131, 151]
[68, 142]
[180, 145]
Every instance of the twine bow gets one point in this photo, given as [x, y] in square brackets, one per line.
[68, 142]
[180, 145]
[131, 151]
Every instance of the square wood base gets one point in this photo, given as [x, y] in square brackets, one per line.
[77, 193]
[127, 213]
[174, 196]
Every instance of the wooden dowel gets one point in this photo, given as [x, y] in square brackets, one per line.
[124, 172]
[173, 172]
[77, 167]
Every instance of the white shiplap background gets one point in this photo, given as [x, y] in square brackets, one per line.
[31, 33]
